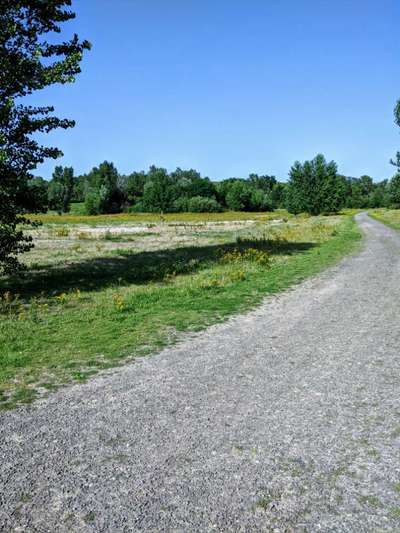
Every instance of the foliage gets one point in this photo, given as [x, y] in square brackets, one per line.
[36, 201]
[102, 193]
[396, 161]
[133, 186]
[238, 196]
[315, 187]
[60, 189]
[189, 184]
[202, 204]
[394, 190]
[160, 191]
[264, 183]
[28, 62]
[79, 189]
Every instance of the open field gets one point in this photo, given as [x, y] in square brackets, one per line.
[391, 217]
[96, 294]
[77, 217]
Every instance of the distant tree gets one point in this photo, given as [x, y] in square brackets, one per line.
[223, 188]
[238, 197]
[133, 186]
[362, 193]
[367, 185]
[189, 183]
[354, 197]
[102, 193]
[380, 197]
[394, 191]
[265, 183]
[278, 195]
[36, 201]
[332, 189]
[260, 200]
[315, 187]
[160, 191]
[78, 191]
[299, 193]
[60, 189]
[203, 204]
[29, 61]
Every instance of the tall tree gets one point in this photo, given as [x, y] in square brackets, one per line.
[315, 187]
[103, 194]
[28, 62]
[60, 189]
[394, 190]
[160, 191]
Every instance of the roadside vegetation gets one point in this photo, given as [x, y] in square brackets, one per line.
[390, 217]
[95, 295]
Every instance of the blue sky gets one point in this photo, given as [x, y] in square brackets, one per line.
[231, 87]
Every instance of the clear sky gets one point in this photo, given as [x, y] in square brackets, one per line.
[231, 87]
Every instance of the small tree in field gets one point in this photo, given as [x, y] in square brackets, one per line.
[28, 62]
[315, 187]
[60, 189]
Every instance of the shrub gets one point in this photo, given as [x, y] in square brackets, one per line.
[201, 204]
[93, 203]
[260, 201]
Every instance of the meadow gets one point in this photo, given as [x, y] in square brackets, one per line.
[391, 217]
[101, 290]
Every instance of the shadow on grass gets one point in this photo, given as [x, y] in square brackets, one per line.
[134, 267]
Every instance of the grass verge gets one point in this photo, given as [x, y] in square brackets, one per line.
[390, 217]
[132, 304]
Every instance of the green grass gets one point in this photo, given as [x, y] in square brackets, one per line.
[390, 217]
[77, 216]
[66, 320]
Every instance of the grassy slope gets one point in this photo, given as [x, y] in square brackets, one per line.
[72, 336]
[390, 217]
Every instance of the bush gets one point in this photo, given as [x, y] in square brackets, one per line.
[137, 208]
[93, 203]
[260, 201]
[201, 204]
[181, 205]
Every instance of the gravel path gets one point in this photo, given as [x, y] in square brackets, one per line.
[284, 419]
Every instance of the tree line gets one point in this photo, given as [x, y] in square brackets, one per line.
[105, 190]
[314, 187]
[30, 61]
